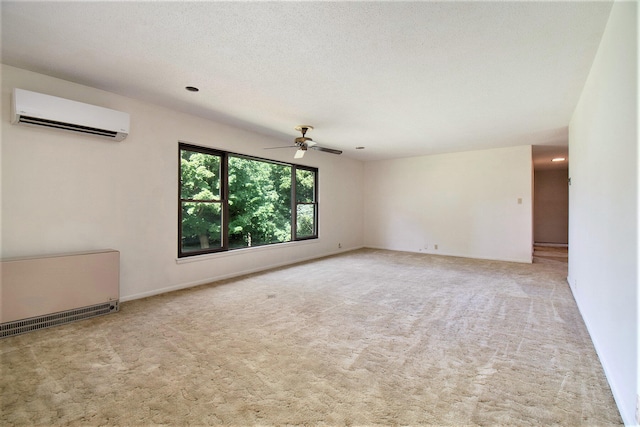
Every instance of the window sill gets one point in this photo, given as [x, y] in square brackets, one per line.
[236, 252]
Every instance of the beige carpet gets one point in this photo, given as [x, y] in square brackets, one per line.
[366, 338]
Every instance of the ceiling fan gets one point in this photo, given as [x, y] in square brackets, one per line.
[302, 143]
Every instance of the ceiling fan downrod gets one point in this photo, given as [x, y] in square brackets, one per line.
[301, 141]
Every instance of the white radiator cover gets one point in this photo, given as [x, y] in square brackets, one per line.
[57, 289]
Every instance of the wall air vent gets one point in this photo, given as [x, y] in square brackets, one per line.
[37, 109]
[18, 327]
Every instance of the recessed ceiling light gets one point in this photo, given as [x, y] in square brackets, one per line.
[359, 148]
[558, 159]
[192, 89]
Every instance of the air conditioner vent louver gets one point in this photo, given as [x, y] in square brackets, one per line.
[37, 109]
[66, 126]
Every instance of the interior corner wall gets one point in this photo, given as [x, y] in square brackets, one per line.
[475, 204]
[603, 206]
[66, 192]
[551, 206]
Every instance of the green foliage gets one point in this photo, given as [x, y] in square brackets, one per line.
[305, 180]
[200, 176]
[306, 219]
[202, 214]
[259, 202]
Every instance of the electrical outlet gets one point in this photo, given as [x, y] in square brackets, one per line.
[435, 247]
[339, 245]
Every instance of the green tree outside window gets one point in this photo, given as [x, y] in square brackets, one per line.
[201, 204]
[229, 201]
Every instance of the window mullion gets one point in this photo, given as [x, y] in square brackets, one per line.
[315, 201]
[224, 195]
[201, 200]
[267, 183]
[294, 204]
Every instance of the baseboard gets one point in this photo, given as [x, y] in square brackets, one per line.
[573, 291]
[518, 260]
[628, 417]
[213, 279]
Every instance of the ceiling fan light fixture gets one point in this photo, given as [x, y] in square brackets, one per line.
[303, 143]
[304, 140]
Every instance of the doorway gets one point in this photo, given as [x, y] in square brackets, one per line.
[550, 202]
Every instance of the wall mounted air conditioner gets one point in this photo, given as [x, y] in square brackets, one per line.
[36, 109]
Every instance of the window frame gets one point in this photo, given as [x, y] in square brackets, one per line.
[294, 204]
[224, 199]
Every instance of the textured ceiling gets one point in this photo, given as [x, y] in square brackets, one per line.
[399, 78]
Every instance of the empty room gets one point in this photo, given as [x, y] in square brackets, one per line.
[319, 213]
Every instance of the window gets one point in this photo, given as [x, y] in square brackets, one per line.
[306, 204]
[229, 201]
[201, 204]
[259, 202]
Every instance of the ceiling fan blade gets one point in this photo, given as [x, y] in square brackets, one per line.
[299, 154]
[285, 146]
[326, 150]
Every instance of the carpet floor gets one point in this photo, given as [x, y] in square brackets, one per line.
[368, 337]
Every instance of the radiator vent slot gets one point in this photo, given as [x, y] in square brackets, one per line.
[18, 327]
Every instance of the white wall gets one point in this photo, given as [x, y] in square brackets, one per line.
[603, 206]
[466, 203]
[65, 192]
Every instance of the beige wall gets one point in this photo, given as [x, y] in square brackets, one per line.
[551, 206]
[475, 204]
[67, 192]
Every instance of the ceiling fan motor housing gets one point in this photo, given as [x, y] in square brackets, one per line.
[302, 141]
